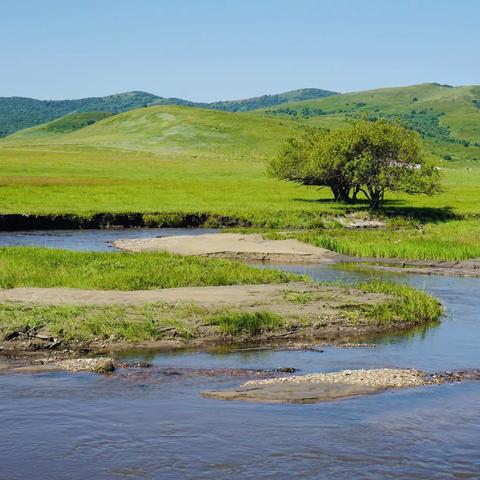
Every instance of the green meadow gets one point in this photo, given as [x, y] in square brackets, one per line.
[45, 267]
[173, 159]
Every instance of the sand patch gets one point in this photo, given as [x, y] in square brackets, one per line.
[232, 245]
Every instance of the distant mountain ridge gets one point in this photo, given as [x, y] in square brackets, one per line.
[17, 113]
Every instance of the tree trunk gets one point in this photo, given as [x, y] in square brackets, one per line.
[340, 193]
[375, 197]
[356, 191]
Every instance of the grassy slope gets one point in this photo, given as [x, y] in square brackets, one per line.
[17, 113]
[460, 115]
[69, 123]
[172, 130]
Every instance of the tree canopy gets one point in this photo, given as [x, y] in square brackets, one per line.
[368, 157]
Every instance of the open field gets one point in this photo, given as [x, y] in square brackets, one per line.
[86, 180]
[167, 162]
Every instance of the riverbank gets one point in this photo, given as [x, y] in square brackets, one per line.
[106, 220]
[74, 320]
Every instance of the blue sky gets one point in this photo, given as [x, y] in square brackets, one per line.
[208, 50]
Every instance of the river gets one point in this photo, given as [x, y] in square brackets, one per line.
[149, 424]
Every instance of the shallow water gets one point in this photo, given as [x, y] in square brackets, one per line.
[89, 240]
[148, 425]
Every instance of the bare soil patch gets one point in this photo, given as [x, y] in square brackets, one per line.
[233, 246]
[316, 298]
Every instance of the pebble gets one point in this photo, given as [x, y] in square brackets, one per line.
[383, 377]
[97, 365]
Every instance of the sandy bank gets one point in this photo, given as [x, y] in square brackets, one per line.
[186, 316]
[208, 297]
[232, 245]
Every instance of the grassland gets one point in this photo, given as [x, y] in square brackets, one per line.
[178, 160]
[450, 240]
[43, 267]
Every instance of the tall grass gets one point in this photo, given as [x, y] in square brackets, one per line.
[453, 240]
[407, 304]
[43, 267]
[246, 323]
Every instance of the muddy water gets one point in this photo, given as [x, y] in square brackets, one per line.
[151, 425]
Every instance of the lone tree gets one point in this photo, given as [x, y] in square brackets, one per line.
[368, 157]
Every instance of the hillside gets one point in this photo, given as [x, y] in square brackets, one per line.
[439, 112]
[165, 129]
[270, 100]
[70, 123]
[17, 113]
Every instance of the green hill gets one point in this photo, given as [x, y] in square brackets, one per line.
[447, 117]
[71, 122]
[17, 113]
[439, 112]
[165, 129]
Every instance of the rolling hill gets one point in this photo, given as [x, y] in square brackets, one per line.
[447, 117]
[164, 129]
[441, 112]
[17, 113]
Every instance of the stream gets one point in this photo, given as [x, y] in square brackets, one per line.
[151, 425]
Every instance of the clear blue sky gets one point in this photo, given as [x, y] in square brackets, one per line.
[218, 49]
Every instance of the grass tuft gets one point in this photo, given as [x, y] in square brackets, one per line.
[408, 305]
[246, 323]
[449, 241]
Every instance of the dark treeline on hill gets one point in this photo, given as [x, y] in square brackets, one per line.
[17, 113]
[266, 101]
